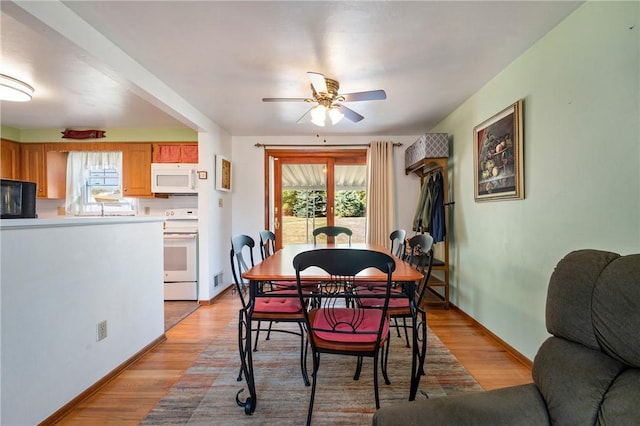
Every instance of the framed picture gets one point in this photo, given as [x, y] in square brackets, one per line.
[223, 173]
[497, 155]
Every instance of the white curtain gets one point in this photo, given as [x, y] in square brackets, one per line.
[79, 163]
[380, 193]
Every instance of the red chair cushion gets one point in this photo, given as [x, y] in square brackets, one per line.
[397, 300]
[279, 304]
[343, 316]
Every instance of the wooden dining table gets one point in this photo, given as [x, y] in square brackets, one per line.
[279, 267]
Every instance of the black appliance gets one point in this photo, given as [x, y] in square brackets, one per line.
[17, 199]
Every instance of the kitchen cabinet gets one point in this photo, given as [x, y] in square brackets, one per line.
[179, 152]
[10, 159]
[33, 166]
[136, 170]
[46, 168]
[46, 164]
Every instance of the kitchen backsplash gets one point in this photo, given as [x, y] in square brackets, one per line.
[146, 206]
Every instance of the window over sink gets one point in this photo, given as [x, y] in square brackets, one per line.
[94, 185]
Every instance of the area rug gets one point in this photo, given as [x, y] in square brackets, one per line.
[205, 395]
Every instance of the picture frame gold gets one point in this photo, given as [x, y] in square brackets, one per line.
[498, 156]
[223, 173]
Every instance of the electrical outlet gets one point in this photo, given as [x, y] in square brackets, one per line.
[101, 330]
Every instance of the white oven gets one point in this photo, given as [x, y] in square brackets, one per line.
[181, 255]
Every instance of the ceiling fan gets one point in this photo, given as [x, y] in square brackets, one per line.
[329, 102]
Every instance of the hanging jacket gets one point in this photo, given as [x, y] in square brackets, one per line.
[422, 217]
[437, 226]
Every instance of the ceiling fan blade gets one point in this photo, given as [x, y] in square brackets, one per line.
[349, 113]
[304, 117]
[371, 95]
[286, 100]
[318, 82]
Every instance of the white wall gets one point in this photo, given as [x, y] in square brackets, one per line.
[214, 212]
[581, 91]
[248, 178]
[57, 283]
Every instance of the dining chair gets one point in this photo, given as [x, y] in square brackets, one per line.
[397, 248]
[267, 243]
[398, 243]
[332, 231]
[332, 326]
[268, 248]
[272, 306]
[420, 256]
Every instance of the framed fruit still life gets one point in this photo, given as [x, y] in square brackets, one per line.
[223, 174]
[498, 156]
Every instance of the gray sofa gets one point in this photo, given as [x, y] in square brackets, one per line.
[586, 373]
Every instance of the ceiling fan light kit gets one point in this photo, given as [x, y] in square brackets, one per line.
[335, 115]
[319, 115]
[12, 89]
[329, 102]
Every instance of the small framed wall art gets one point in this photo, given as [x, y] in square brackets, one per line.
[498, 156]
[223, 174]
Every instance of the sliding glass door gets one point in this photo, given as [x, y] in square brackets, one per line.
[307, 190]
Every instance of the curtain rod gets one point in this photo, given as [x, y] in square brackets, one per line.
[266, 145]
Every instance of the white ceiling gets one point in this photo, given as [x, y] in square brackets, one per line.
[163, 64]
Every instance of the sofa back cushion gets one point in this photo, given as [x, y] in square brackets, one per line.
[588, 371]
[594, 299]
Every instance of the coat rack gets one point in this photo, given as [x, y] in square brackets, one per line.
[423, 169]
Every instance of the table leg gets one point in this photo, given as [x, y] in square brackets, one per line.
[244, 346]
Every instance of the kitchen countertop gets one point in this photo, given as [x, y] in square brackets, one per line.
[62, 221]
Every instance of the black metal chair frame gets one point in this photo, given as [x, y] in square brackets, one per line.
[343, 265]
[332, 231]
[422, 260]
[267, 243]
[398, 249]
[398, 243]
[247, 314]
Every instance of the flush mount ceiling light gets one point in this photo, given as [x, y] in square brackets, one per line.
[12, 89]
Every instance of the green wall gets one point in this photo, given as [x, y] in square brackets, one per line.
[581, 90]
[111, 135]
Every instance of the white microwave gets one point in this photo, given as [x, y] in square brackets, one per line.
[174, 178]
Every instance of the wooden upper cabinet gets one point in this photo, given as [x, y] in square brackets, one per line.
[46, 165]
[10, 160]
[184, 152]
[48, 169]
[136, 170]
[33, 166]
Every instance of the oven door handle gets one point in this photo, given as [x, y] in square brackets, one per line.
[180, 236]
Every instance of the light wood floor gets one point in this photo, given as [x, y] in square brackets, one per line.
[130, 396]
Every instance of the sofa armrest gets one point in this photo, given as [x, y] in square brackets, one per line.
[516, 405]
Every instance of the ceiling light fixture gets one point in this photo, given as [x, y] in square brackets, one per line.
[335, 115]
[12, 89]
[319, 114]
